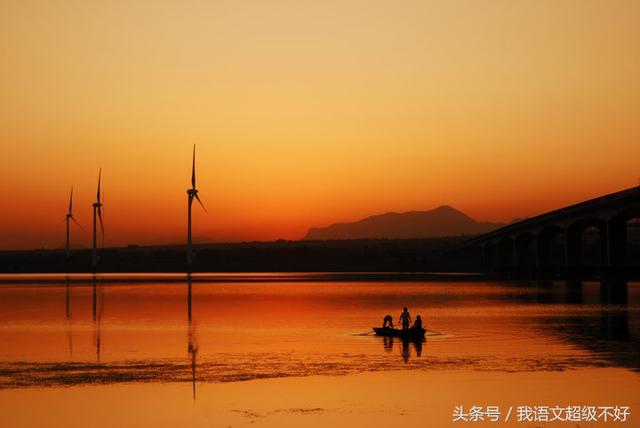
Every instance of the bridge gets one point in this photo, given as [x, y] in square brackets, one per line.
[558, 238]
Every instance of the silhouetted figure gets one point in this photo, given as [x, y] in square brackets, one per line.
[405, 319]
[388, 320]
[418, 323]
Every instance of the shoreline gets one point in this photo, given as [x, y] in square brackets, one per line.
[226, 277]
[285, 276]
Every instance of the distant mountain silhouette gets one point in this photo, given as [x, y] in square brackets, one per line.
[439, 222]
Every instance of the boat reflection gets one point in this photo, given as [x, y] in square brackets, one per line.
[407, 344]
[388, 343]
[417, 344]
[406, 348]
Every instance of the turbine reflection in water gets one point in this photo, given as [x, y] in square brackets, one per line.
[98, 309]
[68, 316]
[192, 349]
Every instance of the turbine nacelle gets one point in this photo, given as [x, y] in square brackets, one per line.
[69, 214]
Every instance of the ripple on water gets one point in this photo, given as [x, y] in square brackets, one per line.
[260, 366]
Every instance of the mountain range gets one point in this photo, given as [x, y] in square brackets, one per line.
[439, 222]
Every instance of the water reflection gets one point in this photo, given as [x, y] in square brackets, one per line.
[407, 344]
[604, 330]
[614, 291]
[68, 299]
[388, 343]
[418, 345]
[68, 317]
[192, 348]
[574, 292]
[98, 309]
[486, 326]
[405, 351]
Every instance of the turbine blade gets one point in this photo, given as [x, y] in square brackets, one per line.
[193, 169]
[71, 201]
[102, 216]
[99, 179]
[100, 219]
[76, 222]
[201, 204]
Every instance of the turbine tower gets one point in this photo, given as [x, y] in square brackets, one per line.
[97, 211]
[193, 193]
[70, 216]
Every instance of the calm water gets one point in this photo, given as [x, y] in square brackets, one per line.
[62, 337]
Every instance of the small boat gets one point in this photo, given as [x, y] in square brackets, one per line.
[412, 333]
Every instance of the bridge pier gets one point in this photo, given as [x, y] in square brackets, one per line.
[489, 257]
[506, 252]
[573, 247]
[561, 247]
[545, 239]
[604, 245]
[524, 254]
[564, 241]
[616, 242]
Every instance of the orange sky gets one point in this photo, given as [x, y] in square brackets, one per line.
[306, 113]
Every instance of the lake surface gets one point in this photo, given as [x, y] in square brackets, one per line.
[288, 350]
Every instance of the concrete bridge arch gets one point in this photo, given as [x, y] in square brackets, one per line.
[558, 237]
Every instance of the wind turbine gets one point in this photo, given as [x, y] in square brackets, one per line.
[70, 216]
[193, 193]
[97, 211]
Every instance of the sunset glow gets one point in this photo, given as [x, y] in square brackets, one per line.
[308, 113]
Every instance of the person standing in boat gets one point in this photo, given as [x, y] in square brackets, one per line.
[405, 319]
